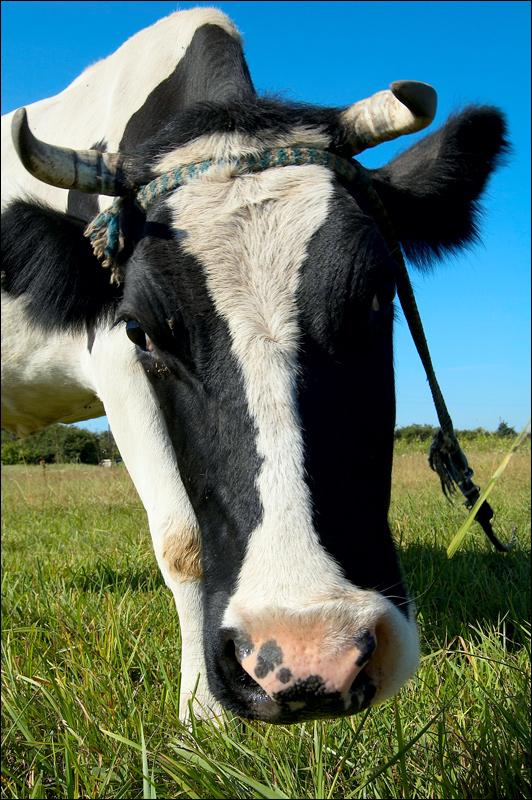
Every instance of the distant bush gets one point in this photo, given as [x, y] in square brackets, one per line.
[423, 433]
[504, 430]
[59, 444]
[66, 444]
[415, 433]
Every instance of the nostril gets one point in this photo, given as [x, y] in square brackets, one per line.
[229, 650]
[228, 656]
[243, 646]
[235, 647]
[366, 643]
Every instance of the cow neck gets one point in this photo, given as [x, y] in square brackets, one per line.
[446, 457]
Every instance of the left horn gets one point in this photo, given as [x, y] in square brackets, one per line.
[407, 107]
[85, 170]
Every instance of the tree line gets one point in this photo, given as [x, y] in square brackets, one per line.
[67, 444]
[422, 433]
[60, 444]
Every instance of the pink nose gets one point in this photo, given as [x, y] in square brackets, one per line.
[301, 667]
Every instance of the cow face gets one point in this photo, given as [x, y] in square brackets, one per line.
[261, 310]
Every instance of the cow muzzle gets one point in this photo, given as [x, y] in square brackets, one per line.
[297, 677]
[321, 663]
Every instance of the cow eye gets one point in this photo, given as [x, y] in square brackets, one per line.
[136, 334]
[383, 298]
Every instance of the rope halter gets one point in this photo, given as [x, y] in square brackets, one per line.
[446, 457]
[106, 231]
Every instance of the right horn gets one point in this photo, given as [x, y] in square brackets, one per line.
[85, 170]
[407, 107]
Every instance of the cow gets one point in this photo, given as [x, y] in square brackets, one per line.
[230, 308]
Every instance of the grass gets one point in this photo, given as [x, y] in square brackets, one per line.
[90, 657]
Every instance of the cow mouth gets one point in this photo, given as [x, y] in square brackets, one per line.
[306, 699]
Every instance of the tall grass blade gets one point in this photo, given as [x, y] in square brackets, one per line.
[148, 789]
[462, 531]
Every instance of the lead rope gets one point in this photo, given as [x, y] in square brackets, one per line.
[446, 457]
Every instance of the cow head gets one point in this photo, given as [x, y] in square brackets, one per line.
[260, 306]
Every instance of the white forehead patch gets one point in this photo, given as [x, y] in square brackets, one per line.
[251, 235]
[235, 145]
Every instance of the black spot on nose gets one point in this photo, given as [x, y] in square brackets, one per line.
[270, 655]
[284, 675]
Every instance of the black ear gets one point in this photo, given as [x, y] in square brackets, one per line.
[431, 191]
[46, 257]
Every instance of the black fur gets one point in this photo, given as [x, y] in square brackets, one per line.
[346, 375]
[212, 69]
[254, 116]
[46, 258]
[431, 192]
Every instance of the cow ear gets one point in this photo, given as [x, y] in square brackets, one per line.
[431, 191]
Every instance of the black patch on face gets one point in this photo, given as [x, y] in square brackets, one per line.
[213, 69]
[346, 397]
[202, 398]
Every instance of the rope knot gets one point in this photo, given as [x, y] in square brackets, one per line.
[448, 460]
[106, 236]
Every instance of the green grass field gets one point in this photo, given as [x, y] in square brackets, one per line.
[90, 657]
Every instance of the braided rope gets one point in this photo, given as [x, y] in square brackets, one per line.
[279, 157]
[104, 232]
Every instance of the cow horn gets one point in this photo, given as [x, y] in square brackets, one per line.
[84, 170]
[407, 107]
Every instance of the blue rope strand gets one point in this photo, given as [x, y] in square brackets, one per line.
[106, 226]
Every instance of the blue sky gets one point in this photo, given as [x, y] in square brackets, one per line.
[475, 308]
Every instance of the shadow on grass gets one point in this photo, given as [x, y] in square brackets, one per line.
[99, 576]
[472, 587]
